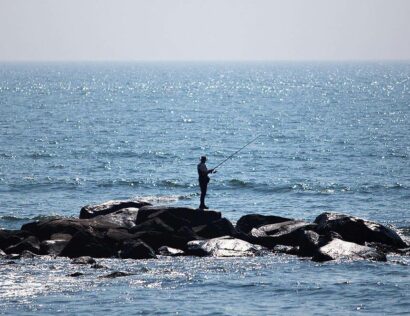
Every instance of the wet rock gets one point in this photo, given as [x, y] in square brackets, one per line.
[136, 250]
[76, 274]
[284, 233]
[154, 224]
[177, 239]
[223, 247]
[309, 242]
[59, 236]
[31, 243]
[27, 254]
[90, 211]
[289, 250]
[338, 249]
[83, 260]
[116, 274]
[218, 228]
[2, 254]
[168, 251]
[125, 217]
[246, 223]
[89, 243]
[46, 228]
[11, 237]
[52, 247]
[357, 230]
[183, 216]
[98, 266]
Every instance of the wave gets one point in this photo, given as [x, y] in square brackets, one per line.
[11, 218]
[164, 198]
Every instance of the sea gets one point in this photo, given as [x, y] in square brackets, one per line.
[330, 137]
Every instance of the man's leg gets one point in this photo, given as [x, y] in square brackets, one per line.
[203, 187]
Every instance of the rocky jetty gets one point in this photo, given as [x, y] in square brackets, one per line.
[139, 230]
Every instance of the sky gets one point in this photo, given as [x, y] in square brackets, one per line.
[204, 30]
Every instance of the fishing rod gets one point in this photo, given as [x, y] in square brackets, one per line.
[238, 151]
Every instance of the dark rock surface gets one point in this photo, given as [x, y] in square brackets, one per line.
[357, 230]
[11, 237]
[136, 249]
[30, 243]
[247, 222]
[52, 247]
[284, 233]
[90, 211]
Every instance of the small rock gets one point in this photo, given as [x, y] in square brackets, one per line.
[83, 260]
[168, 251]
[116, 274]
[76, 274]
[98, 266]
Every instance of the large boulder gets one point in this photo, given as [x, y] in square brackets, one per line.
[218, 228]
[90, 211]
[284, 233]
[183, 216]
[46, 228]
[246, 223]
[89, 243]
[338, 249]
[357, 230]
[225, 246]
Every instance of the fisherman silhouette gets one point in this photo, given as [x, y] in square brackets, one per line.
[203, 179]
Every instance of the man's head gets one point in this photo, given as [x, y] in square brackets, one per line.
[203, 158]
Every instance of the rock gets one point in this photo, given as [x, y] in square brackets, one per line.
[83, 260]
[246, 223]
[223, 247]
[182, 216]
[27, 254]
[154, 224]
[59, 236]
[338, 249]
[137, 250]
[309, 242]
[2, 254]
[46, 228]
[218, 228]
[76, 274]
[90, 211]
[11, 237]
[31, 243]
[357, 230]
[98, 266]
[52, 247]
[116, 274]
[177, 239]
[168, 251]
[284, 233]
[125, 217]
[89, 243]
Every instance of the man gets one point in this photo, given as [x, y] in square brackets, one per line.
[203, 180]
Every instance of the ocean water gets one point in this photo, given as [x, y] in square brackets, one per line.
[334, 137]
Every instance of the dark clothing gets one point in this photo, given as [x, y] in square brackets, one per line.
[203, 179]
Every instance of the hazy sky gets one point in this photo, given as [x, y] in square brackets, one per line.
[204, 30]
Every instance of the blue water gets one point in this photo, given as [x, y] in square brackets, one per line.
[334, 137]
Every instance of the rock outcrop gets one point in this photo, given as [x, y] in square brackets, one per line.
[135, 230]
